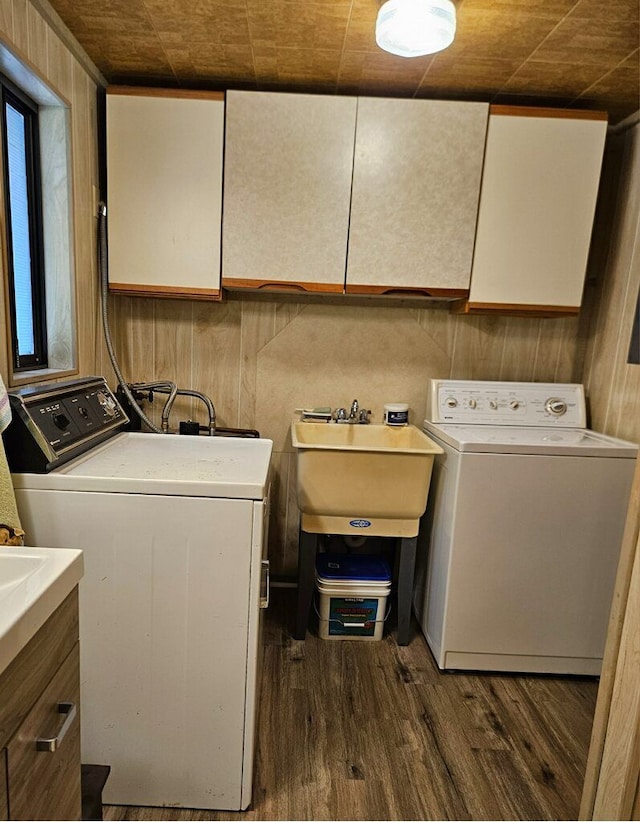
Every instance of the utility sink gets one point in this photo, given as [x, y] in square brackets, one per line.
[363, 471]
[33, 582]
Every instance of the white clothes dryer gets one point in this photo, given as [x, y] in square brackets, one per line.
[519, 546]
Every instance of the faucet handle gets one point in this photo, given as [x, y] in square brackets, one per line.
[363, 417]
[341, 414]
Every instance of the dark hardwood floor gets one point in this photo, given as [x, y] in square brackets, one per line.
[372, 731]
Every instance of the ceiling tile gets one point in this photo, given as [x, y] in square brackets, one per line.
[380, 73]
[553, 79]
[589, 41]
[540, 51]
[481, 76]
[618, 91]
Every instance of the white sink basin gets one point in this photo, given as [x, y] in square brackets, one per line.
[15, 568]
[33, 582]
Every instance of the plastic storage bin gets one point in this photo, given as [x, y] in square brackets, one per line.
[352, 595]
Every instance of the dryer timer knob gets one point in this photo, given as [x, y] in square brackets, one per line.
[555, 406]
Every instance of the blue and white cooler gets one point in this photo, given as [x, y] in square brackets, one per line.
[352, 595]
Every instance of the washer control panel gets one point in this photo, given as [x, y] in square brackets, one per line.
[54, 423]
[560, 405]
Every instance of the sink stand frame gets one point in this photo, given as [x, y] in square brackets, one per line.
[311, 527]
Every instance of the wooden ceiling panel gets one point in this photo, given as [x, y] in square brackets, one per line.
[538, 52]
[376, 73]
[589, 41]
[567, 80]
[299, 25]
[480, 76]
[493, 33]
[302, 68]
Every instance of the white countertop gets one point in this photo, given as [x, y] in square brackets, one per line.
[135, 463]
[504, 439]
[33, 583]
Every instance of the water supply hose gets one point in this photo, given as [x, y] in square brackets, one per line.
[104, 295]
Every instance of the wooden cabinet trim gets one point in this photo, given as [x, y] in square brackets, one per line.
[175, 93]
[282, 285]
[165, 291]
[532, 111]
[408, 291]
[515, 309]
[22, 682]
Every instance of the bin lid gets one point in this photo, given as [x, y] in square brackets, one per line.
[335, 567]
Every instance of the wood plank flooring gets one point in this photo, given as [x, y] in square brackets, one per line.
[368, 730]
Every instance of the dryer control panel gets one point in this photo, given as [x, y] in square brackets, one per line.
[53, 424]
[559, 405]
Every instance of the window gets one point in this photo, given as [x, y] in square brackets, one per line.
[22, 187]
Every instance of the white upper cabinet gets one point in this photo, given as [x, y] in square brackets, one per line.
[164, 178]
[287, 188]
[416, 184]
[539, 189]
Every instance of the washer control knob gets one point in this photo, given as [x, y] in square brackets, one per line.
[472, 403]
[514, 405]
[493, 404]
[61, 421]
[107, 403]
[555, 406]
[451, 402]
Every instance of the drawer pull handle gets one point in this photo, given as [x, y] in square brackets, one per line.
[264, 584]
[68, 710]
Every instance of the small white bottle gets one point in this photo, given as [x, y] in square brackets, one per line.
[396, 413]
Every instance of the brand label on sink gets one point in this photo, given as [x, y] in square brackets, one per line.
[360, 523]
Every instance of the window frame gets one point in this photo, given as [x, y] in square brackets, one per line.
[11, 95]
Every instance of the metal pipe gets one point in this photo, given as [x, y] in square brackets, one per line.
[104, 298]
[188, 392]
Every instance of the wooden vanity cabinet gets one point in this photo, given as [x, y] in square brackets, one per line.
[537, 204]
[416, 185]
[287, 189]
[164, 192]
[36, 690]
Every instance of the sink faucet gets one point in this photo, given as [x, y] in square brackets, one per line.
[356, 414]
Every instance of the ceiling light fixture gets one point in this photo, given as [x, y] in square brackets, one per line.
[412, 28]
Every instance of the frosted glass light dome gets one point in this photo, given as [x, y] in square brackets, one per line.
[412, 28]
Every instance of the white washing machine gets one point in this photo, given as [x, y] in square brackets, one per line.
[173, 530]
[519, 547]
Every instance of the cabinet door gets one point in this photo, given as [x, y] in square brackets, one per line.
[287, 186]
[539, 189]
[416, 184]
[46, 784]
[164, 175]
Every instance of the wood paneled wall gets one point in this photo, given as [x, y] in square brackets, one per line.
[612, 383]
[611, 782]
[33, 41]
[259, 360]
